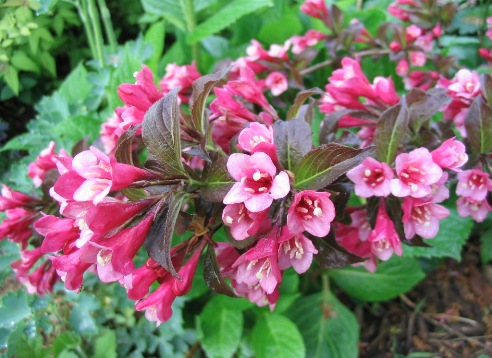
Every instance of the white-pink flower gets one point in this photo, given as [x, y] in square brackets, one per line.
[416, 173]
[311, 211]
[243, 223]
[422, 218]
[466, 84]
[277, 83]
[474, 184]
[258, 185]
[296, 251]
[477, 209]
[450, 155]
[371, 178]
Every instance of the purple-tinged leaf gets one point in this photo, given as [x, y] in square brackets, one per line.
[201, 90]
[161, 135]
[80, 146]
[395, 213]
[326, 163]
[218, 180]
[211, 274]
[478, 124]
[293, 141]
[331, 255]
[301, 97]
[124, 153]
[159, 240]
[329, 126]
[390, 130]
[486, 87]
[423, 105]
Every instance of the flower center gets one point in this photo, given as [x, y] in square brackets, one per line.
[259, 182]
[373, 177]
[308, 208]
[421, 214]
[413, 177]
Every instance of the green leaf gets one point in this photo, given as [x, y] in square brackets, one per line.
[14, 308]
[486, 247]
[390, 130]
[276, 336]
[218, 180]
[392, 278]
[48, 63]
[66, 341]
[171, 10]
[22, 62]
[105, 345]
[78, 127]
[12, 79]
[275, 32]
[329, 329]
[225, 17]
[326, 163]
[161, 134]
[478, 124]
[292, 140]
[453, 233]
[155, 35]
[221, 329]
[82, 315]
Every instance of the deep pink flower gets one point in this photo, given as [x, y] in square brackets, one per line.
[371, 178]
[384, 237]
[57, 232]
[257, 294]
[248, 87]
[477, 209]
[257, 183]
[143, 94]
[473, 184]
[417, 58]
[258, 138]
[295, 250]
[311, 211]
[421, 79]
[17, 226]
[180, 76]
[315, 8]
[384, 89]
[277, 83]
[259, 265]
[417, 172]
[450, 155]
[11, 199]
[402, 67]
[243, 223]
[71, 269]
[42, 279]
[413, 32]
[422, 218]
[44, 162]
[351, 80]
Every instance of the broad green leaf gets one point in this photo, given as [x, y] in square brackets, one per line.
[105, 345]
[82, 315]
[478, 124]
[12, 79]
[218, 180]
[14, 308]
[48, 62]
[66, 341]
[486, 247]
[171, 10]
[225, 17]
[78, 127]
[392, 278]
[155, 35]
[453, 233]
[275, 32]
[390, 130]
[326, 163]
[292, 140]
[276, 336]
[24, 63]
[221, 329]
[328, 328]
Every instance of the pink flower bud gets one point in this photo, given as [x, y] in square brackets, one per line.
[450, 155]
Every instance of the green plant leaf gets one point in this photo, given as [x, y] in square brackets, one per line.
[82, 315]
[390, 130]
[326, 163]
[155, 35]
[105, 345]
[328, 328]
[453, 233]
[12, 79]
[78, 127]
[48, 62]
[276, 336]
[392, 278]
[221, 328]
[171, 10]
[225, 17]
[22, 62]
[66, 341]
[14, 308]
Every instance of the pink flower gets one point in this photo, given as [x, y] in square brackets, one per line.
[248, 87]
[11, 199]
[243, 223]
[57, 232]
[259, 265]
[44, 162]
[466, 84]
[413, 32]
[17, 225]
[257, 183]
[143, 94]
[417, 58]
[180, 76]
[277, 82]
[315, 8]
[93, 175]
[402, 67]
[258, 138]
[351, 80]
[71, 269]
[450, 155]
[473, 184]
[256, 294]
[256, 52]
[311, 211]
[42, 279]
[311, 38]
[296, 251]
[384, 237]
[422, 218]
[477, 209]
[416, 172]
[371, 178]
[384, 89]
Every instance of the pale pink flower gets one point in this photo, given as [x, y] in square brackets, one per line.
[243, 223]
[450, 155]
[466, 84]
[311, 211]
[473, 184]
[413, 32]
[422, 218]
[295, 250]
[258, 185]
[256, 294]
[416, 172]
[402, 67]
[180, 76]
[384, 237]
[279, 51]
[310, 38]
[439, 191]
[417, 58]
[371, 178]
[256, 52]
[477, 209]
[277, 83]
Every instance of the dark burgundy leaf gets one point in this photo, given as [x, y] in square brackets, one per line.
[301, 97]
[158, 242]
[478, 124]
[372, 210]
[80, 146]
[218, 180]
[486, 87]
[161, 135]
[331, 255]
[198, 152]
[326, 163]
[201, 90]
[212, 276]
[293, 141]
[49, 181]
[123, 152]
[416, 241]
[390, 130]
[423, 105]
[329, 125]
[340, 195]
[395, 213]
